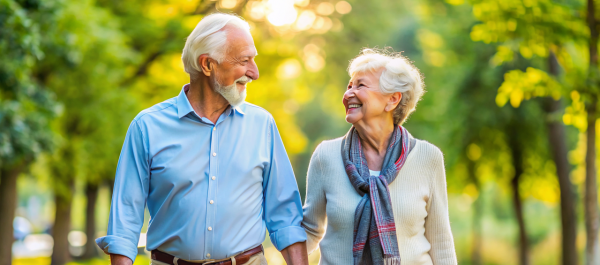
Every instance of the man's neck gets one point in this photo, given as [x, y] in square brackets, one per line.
[205, 101]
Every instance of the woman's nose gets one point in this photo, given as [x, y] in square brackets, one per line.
[349, 94]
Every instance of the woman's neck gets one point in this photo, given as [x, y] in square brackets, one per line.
[375, 137]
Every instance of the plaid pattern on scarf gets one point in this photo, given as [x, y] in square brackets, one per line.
[375, 239]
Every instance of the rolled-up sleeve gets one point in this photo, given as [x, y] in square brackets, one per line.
[282, 203]
[129, 196]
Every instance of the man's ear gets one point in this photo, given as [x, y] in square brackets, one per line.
[206, 64]
[393, 101]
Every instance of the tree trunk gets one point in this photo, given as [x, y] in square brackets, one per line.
[591, 189]
[568, 217]
[477, 214]
[558, 147]
[91, 250]
[8, 205]
[518, 204]
[477, 235]
[62, 225]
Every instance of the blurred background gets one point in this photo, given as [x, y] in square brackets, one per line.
[512, 94]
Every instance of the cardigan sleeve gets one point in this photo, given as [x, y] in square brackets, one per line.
[437, 223]
[315, 217]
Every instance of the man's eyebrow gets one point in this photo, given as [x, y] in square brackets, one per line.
[250, 55]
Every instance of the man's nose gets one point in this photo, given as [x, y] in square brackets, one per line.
[253, 71]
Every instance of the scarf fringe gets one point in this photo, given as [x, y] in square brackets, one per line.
[391, 261]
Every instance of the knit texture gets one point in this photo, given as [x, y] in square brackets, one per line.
[419, 201]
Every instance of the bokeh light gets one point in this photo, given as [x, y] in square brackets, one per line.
[228, 4]
[343, 7]
[257, 10]
[313, 60]
[298, 15]
[281, 12]
[325, 8]
[301, 3]
[305, 20]
[289, 69]
[322, 24]
[77, 238]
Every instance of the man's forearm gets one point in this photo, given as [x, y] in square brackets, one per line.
[295, 254]
[116, 259]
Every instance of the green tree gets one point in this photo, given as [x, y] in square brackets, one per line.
[25, 108]
[536, 31]
[85, 57]
[592, 218]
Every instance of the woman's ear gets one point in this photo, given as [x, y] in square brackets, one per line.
[206, 64]
[393, 101]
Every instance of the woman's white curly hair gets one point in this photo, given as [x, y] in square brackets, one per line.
[399, 75]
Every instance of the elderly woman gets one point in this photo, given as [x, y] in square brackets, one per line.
[379, 193]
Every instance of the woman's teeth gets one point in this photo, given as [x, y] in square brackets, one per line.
[354, 106]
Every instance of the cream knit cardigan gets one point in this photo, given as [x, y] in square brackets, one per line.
[419, 202]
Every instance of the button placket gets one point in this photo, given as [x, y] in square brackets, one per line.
[212, 191]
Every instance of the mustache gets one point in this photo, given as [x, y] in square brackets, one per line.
[243, 80]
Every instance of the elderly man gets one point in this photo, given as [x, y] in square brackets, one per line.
[211, 168]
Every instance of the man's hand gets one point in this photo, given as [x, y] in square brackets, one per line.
[295, 254]
[116, 259]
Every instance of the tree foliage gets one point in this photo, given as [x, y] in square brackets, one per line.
[26, 106]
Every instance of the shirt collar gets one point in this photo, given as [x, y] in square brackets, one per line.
[183, 104]
[184, 107]
[239, 110]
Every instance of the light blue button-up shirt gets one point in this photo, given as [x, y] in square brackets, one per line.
[211, 189]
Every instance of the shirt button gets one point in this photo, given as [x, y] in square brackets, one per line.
[211, 201]
[208, 255]
[213, 178]
[214, 154]
[214, 128]
[209, 228]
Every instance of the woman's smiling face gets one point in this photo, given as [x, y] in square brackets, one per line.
[363, 99]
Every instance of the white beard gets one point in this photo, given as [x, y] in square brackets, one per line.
[231, 92]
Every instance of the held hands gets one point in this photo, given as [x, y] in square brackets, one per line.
[116, 259]
[295, 254]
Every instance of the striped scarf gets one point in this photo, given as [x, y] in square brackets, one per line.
[375, 239]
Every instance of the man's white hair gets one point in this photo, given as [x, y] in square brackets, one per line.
[398, 75]
[210, 38]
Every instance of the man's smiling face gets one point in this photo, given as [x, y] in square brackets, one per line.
[238, 60]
